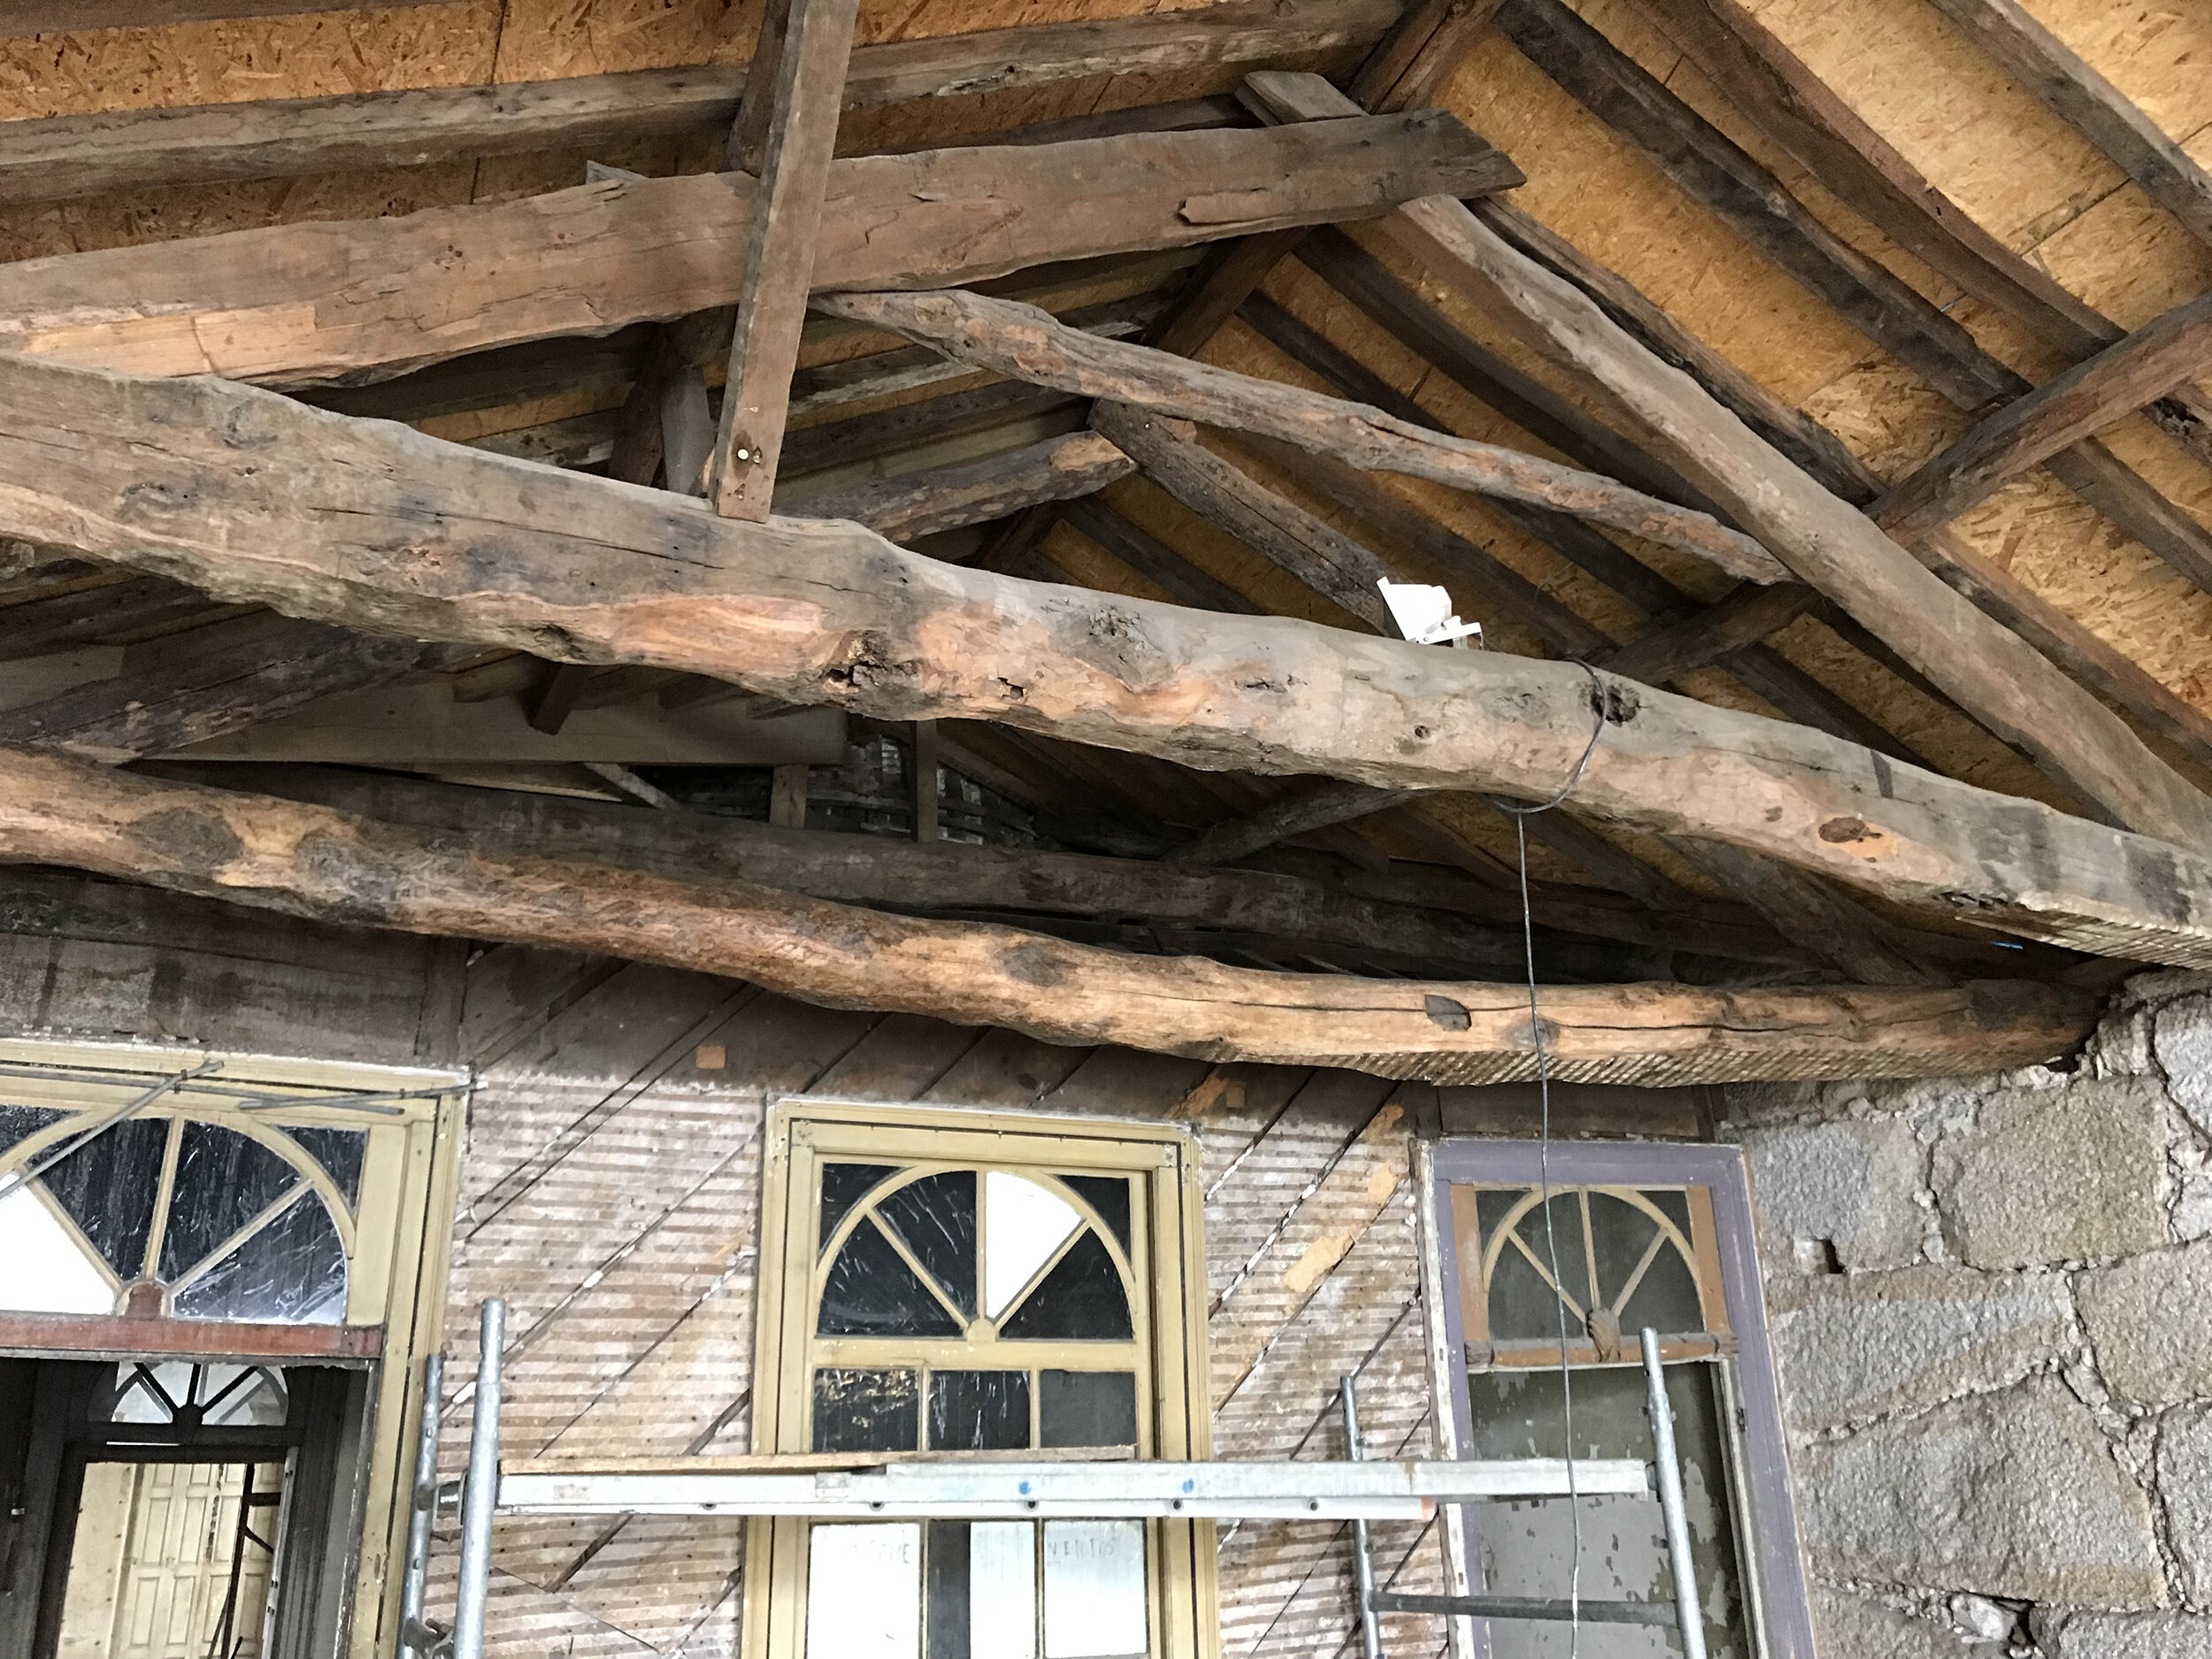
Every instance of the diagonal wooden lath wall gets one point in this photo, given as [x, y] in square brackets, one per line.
[610, 1192]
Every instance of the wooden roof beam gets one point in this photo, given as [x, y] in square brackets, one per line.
[90, 155]
[346, 300]
[376, 526]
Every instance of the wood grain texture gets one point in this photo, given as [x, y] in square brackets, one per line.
[339, 301]
[1030, 344]
[316, 862]
[374, 525]
[2046, 67]
[62, 157]
[2162, 354]
[1294, 815]
[67, 17]
[914, 504]
[812, 45]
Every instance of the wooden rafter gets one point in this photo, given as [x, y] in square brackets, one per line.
[376, 526]
[812, 41]
[289, 305]
[318, 863]
[1031, 345]
[915, 505]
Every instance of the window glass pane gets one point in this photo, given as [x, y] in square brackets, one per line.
[864, 1591]
[1086, 1408]
[1025, 1225]
[20, 1123]
[292, 1271]
[1001, 1590]
[1621, 1234]
[107, 1186]
[865, 1410]
[43, 1267]
[223, 1181]
[1081, 1298]
[979, 1411]
[1109, 1194]
[935, 1218]
[843, 1185]
[1673, 1202]
[1665, 1299]
[870, 1291]
[1493, 1205]
[1523, 1547]
[341, 1152]
[1521, 1306]
[1095, 1600]
[947, 1618]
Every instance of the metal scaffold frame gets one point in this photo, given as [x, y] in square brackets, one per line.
[867, 1486]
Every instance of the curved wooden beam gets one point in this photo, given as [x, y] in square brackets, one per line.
[311, 861]
[255, 498]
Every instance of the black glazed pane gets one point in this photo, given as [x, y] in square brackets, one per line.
[107, 1186]
[1086, 1408]
[1553, 1234]
[1523, 1307]
[947, 1620]
[865, 1410]
[1493, 1205]
[341, 1152]
[935, 1218]
[1108, 1196]
[979, 1411]
[870, 1291]
[843, 1185]
[1666, 1299]
[223, 1181]
[1673, 1202]
[1621, 1234]
[1080, 1300]
[292, 1271]
[20, 1123]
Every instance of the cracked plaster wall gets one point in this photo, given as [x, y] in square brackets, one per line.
[1991, 1304]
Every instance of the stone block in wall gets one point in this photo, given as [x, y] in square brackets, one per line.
[2181, 1038]
[2184, 1479]
[2131, 1636]
[1846, 1186]
[2016, 1493]
[1854, 1346]
[2055, 1175]
[2150, 1320]
[1851, 1627]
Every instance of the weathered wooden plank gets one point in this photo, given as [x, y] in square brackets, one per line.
[2162, 354]
[915, 505]
[1742, 619]
[2100, 110]
[90, 155]
[1319, 556]
[379, 527]
[812, 44]
[214, 694]
[342, 301]
[315, 862]
[866, 438]
[59, 17]
[1028, 344]
[1294, 815]
[1842, 932]
[1410, 62]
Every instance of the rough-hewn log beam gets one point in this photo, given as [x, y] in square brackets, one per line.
[1031, 345]
[217, 694]
[917, 504]
[2046, 67]
[1408, 64]
[2088, 397]
[1986, 669]
[1806, 443]
[314, 862]
[122, 149]
[1297, 813]
[813, 43]
[346, 300]
[255, 497]
[1319, 556]
[1743, 619]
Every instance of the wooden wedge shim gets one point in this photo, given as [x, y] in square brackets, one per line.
[311, 861]
[1029, 344]
[255, 498]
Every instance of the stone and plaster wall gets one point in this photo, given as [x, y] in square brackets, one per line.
[1991, 1302]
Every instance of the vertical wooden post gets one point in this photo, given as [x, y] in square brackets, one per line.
[809, 88]
[787, 797]
[923, 756]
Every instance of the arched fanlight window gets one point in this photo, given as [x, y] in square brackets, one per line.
[235, 1221]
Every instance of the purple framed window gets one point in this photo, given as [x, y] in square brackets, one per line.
[1614, 1238]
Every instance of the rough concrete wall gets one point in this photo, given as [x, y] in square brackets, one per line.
[1992, 1310]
